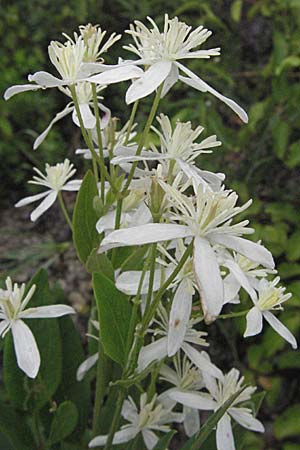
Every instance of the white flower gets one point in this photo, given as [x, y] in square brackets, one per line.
[55, 180]
[13, 303]
[161, 52]
[88, 363]
[163, 346]
[220, 391]
[270, 298]
[178, 145]
[150, 416]
[208, 219]
[185, 378]
[93, 36]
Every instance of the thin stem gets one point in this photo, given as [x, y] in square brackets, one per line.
[64, 210]
[144, 136]
[151, 276]
[117, 226]
[232, 315]
[115, 421]
[132, 116]
[100, 389]
[100, 144]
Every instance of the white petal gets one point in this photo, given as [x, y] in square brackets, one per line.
[129, 411]
[145, 156]
[201, 361]
[144, 234]
[194, 400]
[119, 438]
[245, 418]
[231, 288]
[3, 325]
[251, 250]
[46, 311]
[149, 81]
[254, 320]
[208, 279]
[170, 80]
[31, 199]
[157, 350]
[128, 282]
[73, 185]
[179, 317]
[105, 118]
[191, 421]
[117, 74]
[46, 80]
[281, 329]
[241, 277]
[224, 435]
[27, 352]
[57, 117]
[46, 204]
[150, 438]
[13, 90]
[85, 366]
[202, 86]
[88, 118]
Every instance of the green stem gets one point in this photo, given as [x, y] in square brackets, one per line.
[144, 136]
[115, 421]
[117, 226]
[100, 389]
[64, 210]
[100, 144]
[232, 315]
[151, 276]
[132, 116]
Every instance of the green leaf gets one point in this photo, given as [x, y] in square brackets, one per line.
[287, 424]
[236, 10]
[280, 132]
[70, 388]
[293, 246]
[63, 423]
[293, 157]
[85, 235]
[114, 312]
[14, 428]
[164, 441]
[100, 264]
[196, 441]
[25, 393]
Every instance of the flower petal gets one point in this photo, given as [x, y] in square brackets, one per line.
[199, 360]
[170, 80]
[46, 80]
[281, 329]
[32, 198]
[252, 250]
[120, 437]
[241, 277]
[85, 366]
[150, 438]
[195, 400]
[57, 117]
[13, 90]
[27, 352]
[144, 234]
[46, 311]
[231, 289]
[197, 83]
[208, 279]
[244, 417]
[128, 282]
[46, 204]
[88, 118]
[117, 74]
[179, 317]
[224, 435]
[254, 322]
[157, 350]
[191, 420]
[149, 81]
[73, 185]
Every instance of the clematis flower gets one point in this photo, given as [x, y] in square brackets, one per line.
[55, 180]
[163, 346]
[185, 378]
[150, 416]
[208, 219]
[13, 312]
[220, 391]
[178, 146]
[161, 52]
[270, 298]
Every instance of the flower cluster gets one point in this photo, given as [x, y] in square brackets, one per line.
[197, 257]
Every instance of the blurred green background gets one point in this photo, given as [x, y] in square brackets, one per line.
[260, 68]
